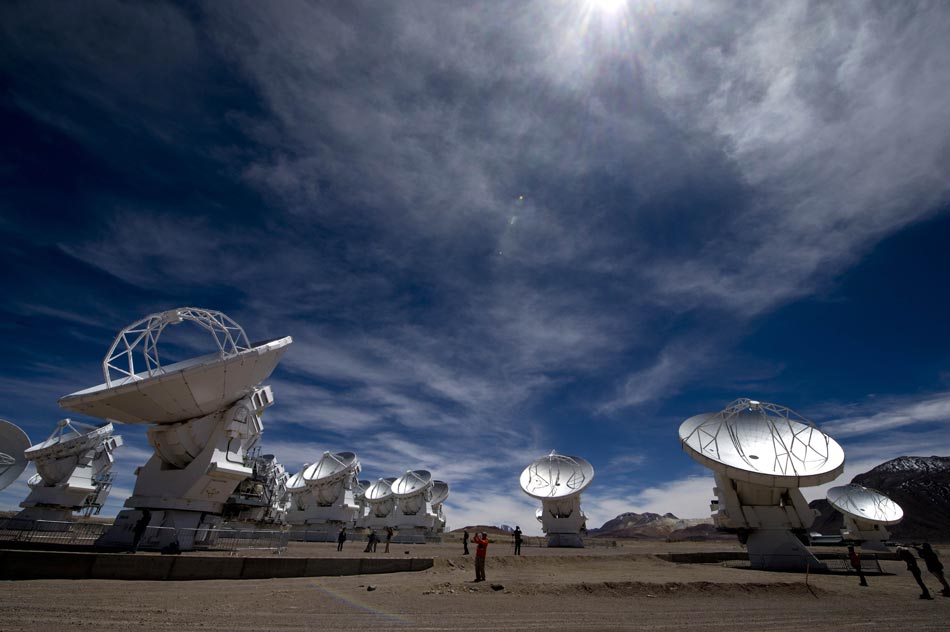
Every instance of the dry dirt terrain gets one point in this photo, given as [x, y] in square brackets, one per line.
[623, 588]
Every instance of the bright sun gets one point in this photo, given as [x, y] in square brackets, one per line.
[607, 6]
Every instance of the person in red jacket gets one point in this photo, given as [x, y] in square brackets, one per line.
[481, 541]
[856, 564]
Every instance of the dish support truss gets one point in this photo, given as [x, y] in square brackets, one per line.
[118, 367]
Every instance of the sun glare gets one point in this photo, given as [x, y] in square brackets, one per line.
[609, 7]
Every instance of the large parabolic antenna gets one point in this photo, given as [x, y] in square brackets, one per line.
[205, 415]
[327, 499]
[13, 442]
[761, 455]
[413, 516]
[152, 393]
[73, 472]
[866, 511]
[557, 481]
[380, 503]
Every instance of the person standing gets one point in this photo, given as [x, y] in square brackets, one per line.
[904, 553]
[389, 538]
[340, 539]
[465, 542]
[517, 540]
[481, 541]
[371, 541]
[856, 564]
[934, 565]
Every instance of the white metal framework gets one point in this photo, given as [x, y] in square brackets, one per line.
[143, 336]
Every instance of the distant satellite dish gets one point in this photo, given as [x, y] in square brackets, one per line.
[381, 490]
[13, 442]
[762, 443]
[329, 478]
[412, 483]
[57, 457]
[332, 468]
[440, 492]
[556, 476]
[557, 481]
[865, 503]
[183, 390]
[297, 483]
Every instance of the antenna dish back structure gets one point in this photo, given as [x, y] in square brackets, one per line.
[73, 473]
[204, 415]
[557, 481]
[327, 500]
[866, 511]
[13, 442]
[762, 454]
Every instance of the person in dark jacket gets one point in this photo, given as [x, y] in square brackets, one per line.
[934, 565]
[517, 540]
[908, 558]
[340, 539]
[465, 542]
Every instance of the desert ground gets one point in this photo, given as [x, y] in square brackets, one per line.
[618, 588]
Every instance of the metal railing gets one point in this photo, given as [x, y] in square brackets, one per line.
[165, 539]
[51, 532]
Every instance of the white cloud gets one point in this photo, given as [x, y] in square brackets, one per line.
[891, 413]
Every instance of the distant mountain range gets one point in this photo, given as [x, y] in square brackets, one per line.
[651, 526]
[920, 485]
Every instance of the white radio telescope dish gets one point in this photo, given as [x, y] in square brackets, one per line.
[865, 503]
[152, 392]
[13, 442]
[332, 467]
[412, 483]
[296, 483]
[557, 481]
[556, 476]
[380, 490]
[761, 455]
[440, 492]
[762, 443]
[57, 457]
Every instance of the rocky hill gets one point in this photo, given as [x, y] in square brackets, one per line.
[651, 526]
[920, 485]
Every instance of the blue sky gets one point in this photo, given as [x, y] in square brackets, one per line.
[493, 229]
